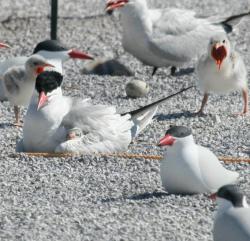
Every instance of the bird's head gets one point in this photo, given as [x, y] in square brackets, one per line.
[176, 135]
[36, 64]
[46, 83]
[228, 196]
[115, 4]
[219, 49]
[74, 133]
[53, 49]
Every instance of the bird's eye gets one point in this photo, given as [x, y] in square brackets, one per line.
[224, 41]
[36, 63]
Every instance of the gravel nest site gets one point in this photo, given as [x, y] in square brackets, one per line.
[100, 198]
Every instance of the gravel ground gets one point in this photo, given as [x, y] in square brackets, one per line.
[92, 198]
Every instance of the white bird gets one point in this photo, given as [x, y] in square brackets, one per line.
[188, 168]
[19, 82]
[232, 221]
[52, 50]
[166, 37]
[55, 122]
[222, 70]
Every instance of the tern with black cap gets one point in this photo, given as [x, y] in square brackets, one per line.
[188, 168]
[232, 220]
[55, 122]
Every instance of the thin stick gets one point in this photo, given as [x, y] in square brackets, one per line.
[129, 155]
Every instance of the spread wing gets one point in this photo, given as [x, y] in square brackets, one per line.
[103, 129]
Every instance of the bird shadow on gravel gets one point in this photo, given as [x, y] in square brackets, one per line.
[6, 125]
[137, 197]
[163, 117]
[182, 72]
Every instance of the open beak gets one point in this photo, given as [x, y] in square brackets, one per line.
[112, 4]
[167, 140]
[213, 196]
[219, 53]
[76, 54]
[41, 68]
[43, 98]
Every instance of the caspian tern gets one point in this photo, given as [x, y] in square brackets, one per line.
[232, 221]
[188, 168]
[52, 50]
[58, 123]
[166, 37]
[19, 82]
[222, 70]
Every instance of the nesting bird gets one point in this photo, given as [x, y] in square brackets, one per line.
[222, 70]
[188, 168]
[232, 220]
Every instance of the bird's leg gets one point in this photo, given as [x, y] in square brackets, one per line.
[17, 116]
[203, 103]
[245, 100]
[154, 70]
[173, 70]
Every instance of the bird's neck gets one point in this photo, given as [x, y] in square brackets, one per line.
[223, 206]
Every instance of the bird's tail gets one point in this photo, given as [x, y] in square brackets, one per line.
[143, 116]
[230, 22]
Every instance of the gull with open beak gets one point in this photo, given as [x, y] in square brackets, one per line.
[57, 123]
[19, 82]
[167, 37]
[188, 168]
[222, 70]
[232, 220]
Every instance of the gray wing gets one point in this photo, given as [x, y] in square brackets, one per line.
[12, 79]
[179, 36]
[214, 175]
[233, 225]
[4, 66]
[102, 127]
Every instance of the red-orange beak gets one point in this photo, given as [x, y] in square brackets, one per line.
[219, 53]
[213, 196]
[76, 54]
[2, 45]
[167, 140]
[41, 68]
[43, 98]
[112, 4]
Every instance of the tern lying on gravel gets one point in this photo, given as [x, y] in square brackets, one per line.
[19, 82]
[188, 168]
[166, 37]
[58, 123]
[222, 70]
[51, 50]
[232, 220]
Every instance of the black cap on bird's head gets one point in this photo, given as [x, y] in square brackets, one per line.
[174, 132]
[49, 45]
[230, 193]
[47, 82]
[58, 50]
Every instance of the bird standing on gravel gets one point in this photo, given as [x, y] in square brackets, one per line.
[232, 221]
[58, 123]
[188, 168]
[222, 70]
[19, 82]
[166, 37]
